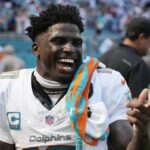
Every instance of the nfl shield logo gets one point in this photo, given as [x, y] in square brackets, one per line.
[49, 119]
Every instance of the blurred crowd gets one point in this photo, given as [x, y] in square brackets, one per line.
[99, 14]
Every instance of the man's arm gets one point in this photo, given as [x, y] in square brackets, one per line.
[6, 146]
[123, 136]
[120, 134]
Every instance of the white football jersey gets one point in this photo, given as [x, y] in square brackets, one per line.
[25, 122]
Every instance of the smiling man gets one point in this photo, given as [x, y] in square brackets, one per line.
[59, 52]
[67, 103]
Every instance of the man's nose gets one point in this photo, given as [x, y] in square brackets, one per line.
[68, 47]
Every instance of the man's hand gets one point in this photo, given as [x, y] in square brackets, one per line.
[139, 116]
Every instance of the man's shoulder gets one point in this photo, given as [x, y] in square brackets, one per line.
[107, 72]
[13, 77]
[104, 70]
[119, 56]
[14, 74]
[111, 54]
[110, 78]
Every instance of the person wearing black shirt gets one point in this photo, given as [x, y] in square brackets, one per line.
[126, 57]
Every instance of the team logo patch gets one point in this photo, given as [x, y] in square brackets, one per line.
[14, 119]
[49, 119]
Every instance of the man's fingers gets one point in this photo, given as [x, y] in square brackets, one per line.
[137, 106]
[148, 105]
[133, 103]
[141, 100]
[135, 121]
[139, 116]
[143, 96]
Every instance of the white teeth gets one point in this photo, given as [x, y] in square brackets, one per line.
[67, 68]
[66, 60]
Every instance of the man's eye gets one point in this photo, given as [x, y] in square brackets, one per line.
[77, 43]
[58, 41]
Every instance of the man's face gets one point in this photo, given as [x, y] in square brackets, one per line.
[59, 52]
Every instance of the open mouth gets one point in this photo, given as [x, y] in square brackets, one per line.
[66, 65]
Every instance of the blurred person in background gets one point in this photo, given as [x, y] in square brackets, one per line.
[126, 57]
[22, 21]
[10, 62]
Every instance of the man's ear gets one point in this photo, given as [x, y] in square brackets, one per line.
[141, 36]
[35, 49]
[140, 39]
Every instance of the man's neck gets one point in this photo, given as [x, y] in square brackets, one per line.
[49, 84]
[130, 43]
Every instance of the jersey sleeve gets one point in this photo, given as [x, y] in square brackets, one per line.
[121, 95]
[5, 135]
[116, 95]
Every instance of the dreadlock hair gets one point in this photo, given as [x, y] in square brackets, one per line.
[55, 13]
